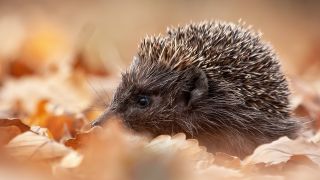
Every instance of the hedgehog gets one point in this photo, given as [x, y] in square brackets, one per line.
[215, 81]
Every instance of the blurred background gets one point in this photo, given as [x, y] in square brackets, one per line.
[108, 32]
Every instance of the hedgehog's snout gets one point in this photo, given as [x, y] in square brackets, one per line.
[104, 117]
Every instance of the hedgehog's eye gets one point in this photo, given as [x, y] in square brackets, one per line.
[143, 101]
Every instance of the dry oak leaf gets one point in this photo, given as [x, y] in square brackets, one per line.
[178, 144]
[31, 146]
[7, 133]
[14, 122]
[58, 123]
[9, 128]
[282, 150]
[82, 139]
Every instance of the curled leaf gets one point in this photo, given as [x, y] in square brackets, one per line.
[9, 128]
[282, 150]
[31, 146]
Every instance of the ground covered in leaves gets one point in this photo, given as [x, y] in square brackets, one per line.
[45, 107]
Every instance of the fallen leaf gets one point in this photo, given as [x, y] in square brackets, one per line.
[9, 128]
[178, 144]
[300, 160]
[58, 123]
[7, 133]
[284, 149]
[14, 122]
[82, 139]
[19, 68]
[31, 146]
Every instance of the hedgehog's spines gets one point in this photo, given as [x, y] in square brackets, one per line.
[212, 46]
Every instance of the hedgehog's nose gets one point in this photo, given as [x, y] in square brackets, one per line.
[103, 118]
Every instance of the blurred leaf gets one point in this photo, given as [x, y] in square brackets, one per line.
[31, 146]
[19, 68]
[14, 122]
[282, 150]
[81, 139]
[7, 133]
[9, 128]
[60, 125]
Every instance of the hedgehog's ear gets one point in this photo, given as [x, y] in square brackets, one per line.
[199, 86]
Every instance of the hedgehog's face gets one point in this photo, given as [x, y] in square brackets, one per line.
[155, 99]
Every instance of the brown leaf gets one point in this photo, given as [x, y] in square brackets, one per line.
[82, 139]
[188, 149]
[14, 122]
[9, 128]
[300, 160]
[31, 146]
[19, 68]
[7, 133]
[59, 125]
[282, 150]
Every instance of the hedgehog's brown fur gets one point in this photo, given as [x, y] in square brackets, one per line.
[215, 81]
